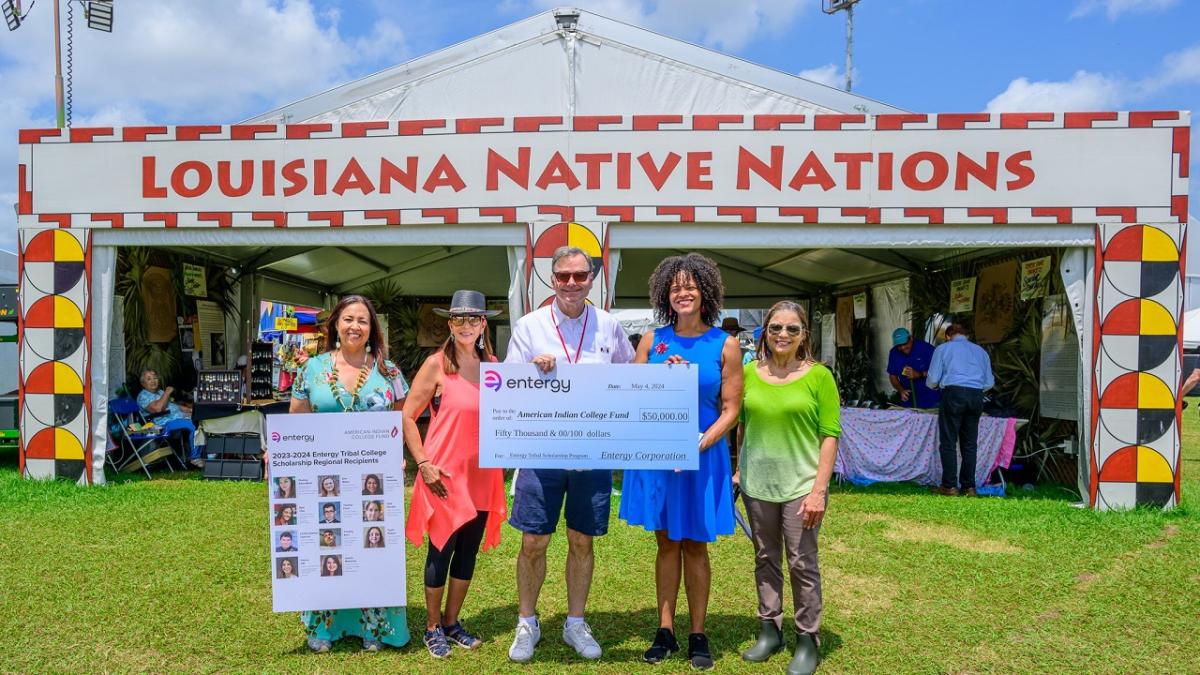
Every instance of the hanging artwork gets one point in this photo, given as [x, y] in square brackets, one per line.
[158, 297]
[1035, 278]
[860, 305]
[994, 302]
[845, 321]
[962, 296]
[194, 281]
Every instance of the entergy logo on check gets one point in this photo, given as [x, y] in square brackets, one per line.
[492, 380]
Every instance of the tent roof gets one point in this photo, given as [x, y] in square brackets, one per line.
[534, 67]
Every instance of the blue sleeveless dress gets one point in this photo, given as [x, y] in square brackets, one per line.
[695, 505]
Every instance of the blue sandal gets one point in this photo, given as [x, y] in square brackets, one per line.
[435, 642]
[459, 636]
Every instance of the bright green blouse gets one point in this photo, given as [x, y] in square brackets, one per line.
[783, 426]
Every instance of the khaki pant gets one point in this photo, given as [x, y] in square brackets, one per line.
[777, 527]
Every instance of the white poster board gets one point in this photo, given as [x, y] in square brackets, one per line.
[336, 487]
[1058, 391]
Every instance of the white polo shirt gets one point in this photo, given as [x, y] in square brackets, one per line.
[535, 333]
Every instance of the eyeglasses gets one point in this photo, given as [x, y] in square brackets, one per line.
[578, 277]
[792, 329]
[469, 320]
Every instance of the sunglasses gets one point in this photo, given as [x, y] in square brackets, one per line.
[469, 320]
[792, 329]
[578, 277]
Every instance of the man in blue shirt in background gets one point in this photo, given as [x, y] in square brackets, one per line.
[908, 365]
[963, 371]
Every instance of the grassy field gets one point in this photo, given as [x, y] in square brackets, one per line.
[173, 575]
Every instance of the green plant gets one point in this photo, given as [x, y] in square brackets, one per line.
[403, 317]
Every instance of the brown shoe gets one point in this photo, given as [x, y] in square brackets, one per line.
[948, 492]
[969, 492]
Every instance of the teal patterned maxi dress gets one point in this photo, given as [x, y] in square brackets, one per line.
[317, 384]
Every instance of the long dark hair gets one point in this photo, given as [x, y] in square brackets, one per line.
[804, 352]
[374, 341]
[703, 272]
[450, 355]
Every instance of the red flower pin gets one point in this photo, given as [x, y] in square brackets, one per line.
[660, 348]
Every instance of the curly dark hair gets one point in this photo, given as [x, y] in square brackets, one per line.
[703, 271]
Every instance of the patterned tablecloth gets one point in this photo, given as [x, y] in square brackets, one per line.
[900, 445]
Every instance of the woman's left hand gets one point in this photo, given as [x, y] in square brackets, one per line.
[812, 510]
[675, 359]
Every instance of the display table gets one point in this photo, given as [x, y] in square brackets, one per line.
[902, 445]
[235, 418]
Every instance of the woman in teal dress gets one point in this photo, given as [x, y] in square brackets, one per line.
[353, 375]
[687, 510]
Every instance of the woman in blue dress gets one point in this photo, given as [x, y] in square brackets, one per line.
[175, 418]
[352, 375]
[688, 509]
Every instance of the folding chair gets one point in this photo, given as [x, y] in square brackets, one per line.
[145, 447]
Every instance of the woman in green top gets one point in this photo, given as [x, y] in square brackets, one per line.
[788, 437]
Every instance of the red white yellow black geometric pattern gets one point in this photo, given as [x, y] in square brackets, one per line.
[55, 332]
[1137, 351]
[542, 239]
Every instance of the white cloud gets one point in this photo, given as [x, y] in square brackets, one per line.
[1084, 91]
[717, 23]
[1115, 8]
[828, 75]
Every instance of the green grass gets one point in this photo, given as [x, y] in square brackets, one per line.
[173, 575]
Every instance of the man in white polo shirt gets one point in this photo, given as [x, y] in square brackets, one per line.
[568, 330]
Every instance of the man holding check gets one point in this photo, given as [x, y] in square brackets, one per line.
[569, 329]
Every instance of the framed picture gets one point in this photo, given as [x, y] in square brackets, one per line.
[187, 338]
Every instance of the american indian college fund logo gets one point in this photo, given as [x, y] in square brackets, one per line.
[492, 380]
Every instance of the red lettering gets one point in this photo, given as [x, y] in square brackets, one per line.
[812, 172]
[772, 173]
[557, 171]
[203, 178]
[150, 187]
[225, 182]
[319, 180]
[986, 174]
[1022, 175]
[698, 171]
[293, 174]
[444, 175]
[353, 178]
[268, 174]
[908, 171]
[853, 162]
[658, 175]
[518, 173]
[593, 160]
[389, 173]
[623, 170]
[885, 171]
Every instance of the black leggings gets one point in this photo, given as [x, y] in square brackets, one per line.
[457, 559]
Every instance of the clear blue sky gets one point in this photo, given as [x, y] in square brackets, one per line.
[223, 61]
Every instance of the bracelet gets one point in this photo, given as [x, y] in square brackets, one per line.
[425, 461]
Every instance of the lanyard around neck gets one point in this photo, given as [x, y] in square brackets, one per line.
[563, 342]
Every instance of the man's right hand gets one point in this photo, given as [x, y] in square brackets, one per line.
[544, 362]
[904, 395]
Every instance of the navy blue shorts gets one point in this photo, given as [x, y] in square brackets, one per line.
[539, 500]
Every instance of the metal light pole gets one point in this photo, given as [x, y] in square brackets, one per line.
[833, 7]
[59, 109]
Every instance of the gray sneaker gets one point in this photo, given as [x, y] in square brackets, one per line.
[580, 637]
[528, 635]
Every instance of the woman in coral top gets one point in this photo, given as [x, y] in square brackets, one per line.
[455, 503]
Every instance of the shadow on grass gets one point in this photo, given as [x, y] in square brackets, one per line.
[624, 635]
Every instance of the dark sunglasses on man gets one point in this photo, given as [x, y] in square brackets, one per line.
[578, 277]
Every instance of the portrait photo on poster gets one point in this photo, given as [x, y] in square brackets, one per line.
[285, 514]
[285, 542]
[373, 537]
[330, 538]
[331, 512]
[328, 486]
[372, 484]
[287, 568]
[285, 487]
[373, 511]
[331, 565]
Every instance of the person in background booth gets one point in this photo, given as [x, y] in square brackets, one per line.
[577, 332]
[157, 407]
[688, 509]
[352, 375]
[789, 432]
[457, 504]
[963, 371]
[907, 368]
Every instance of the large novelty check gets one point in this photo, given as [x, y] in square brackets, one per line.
[588, 416]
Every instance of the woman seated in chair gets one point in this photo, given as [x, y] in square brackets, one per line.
[157, 407]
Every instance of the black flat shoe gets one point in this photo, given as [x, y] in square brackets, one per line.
[698, 652]
[663, 646]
